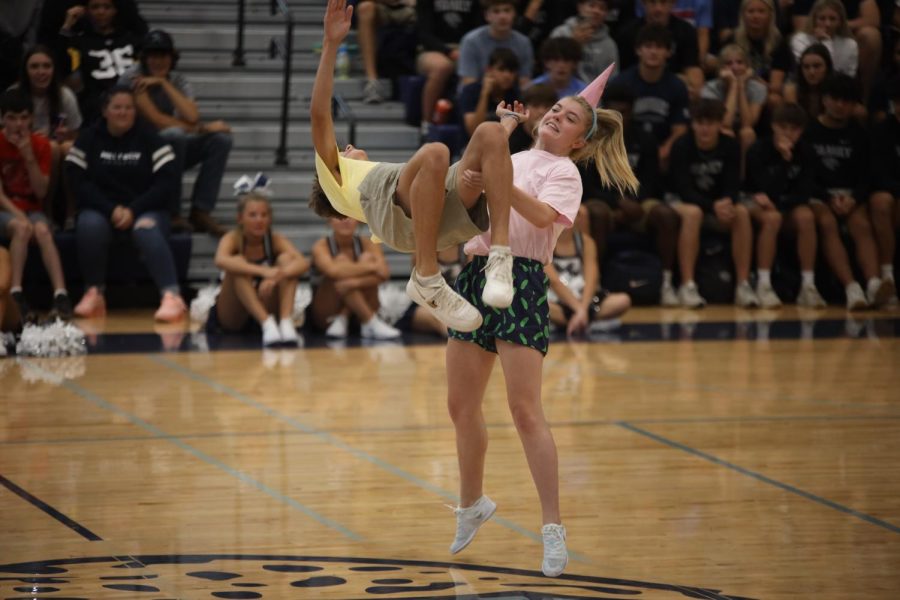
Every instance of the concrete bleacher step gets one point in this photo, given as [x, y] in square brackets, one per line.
[270, 110]
[240, 84]
[368, 135]
[162, 14]
[257, 61]
[250, 161]
[204, 36]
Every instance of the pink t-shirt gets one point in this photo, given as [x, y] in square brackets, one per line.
[553, 180]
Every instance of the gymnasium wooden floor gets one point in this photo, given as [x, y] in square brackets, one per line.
[713, 455]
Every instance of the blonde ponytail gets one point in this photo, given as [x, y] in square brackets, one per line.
[607, 147]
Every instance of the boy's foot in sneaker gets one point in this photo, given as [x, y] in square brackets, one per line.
[879, 291]
[556, 557]
[809, 297]
[856, 298]
[469, 519]
[372, 93]
[498, 289]
[271, 333]
[744, 296]
[767, 296]
[690, 297]
[376, 329]
[668, 296]
[439, 299]
[62, 306]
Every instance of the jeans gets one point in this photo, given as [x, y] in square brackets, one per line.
[93, 233]
[210, 151]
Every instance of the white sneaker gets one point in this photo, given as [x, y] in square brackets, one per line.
[810, 298]
[376, 329]
[449, 307]
[338, 327]
[288, 332]
[469, 519]
[690, 297]
[856, 299]
[880, 291]
[668, 296]
[744, 296]
[555, 555]
[271, 334]
[767, 296]
[498, 290]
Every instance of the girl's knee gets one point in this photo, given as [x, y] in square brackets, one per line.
[42, 232]
[771, 219]
[881, 205]
[690, 213]
[803, 217]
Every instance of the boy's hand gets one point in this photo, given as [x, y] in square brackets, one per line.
[337, 20]
[764, 201]
[724, 210]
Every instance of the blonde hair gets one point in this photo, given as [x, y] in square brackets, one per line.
[733, 50]
[773, 35]
[243, 201]
[606, 147]
[836, 6]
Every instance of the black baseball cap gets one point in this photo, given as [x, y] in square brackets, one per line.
[158, 40]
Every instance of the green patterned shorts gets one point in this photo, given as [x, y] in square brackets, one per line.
[526, 322]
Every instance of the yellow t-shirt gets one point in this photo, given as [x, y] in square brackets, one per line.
[344, 197]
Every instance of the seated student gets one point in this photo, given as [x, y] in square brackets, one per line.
[261, 269]
[684, 56]
[813, 68]
[661, 98]
[827, 25]
[478, 100]
[560, 56]
[780, 177]
[56, 116]
[105, 48]
[590, 30]
[538, 18]
[123, 176]
[883, 204]
[537, 99]
[24, 178]
[476, 47]
[609, 210]
[742, 92]
[10, 321]
[699, 14]
[371, 15]
[575, 297]
[165, 99]
[706, 178]
[348, 270]
[842, 185]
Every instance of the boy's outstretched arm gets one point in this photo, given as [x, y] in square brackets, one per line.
[335, 28]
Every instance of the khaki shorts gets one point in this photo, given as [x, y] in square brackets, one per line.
[388, 221]
[396, 14]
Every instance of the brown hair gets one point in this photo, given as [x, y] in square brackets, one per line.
[318, 201]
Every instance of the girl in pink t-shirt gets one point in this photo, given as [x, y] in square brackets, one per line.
[546, 194]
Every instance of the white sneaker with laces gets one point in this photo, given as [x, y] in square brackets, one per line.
[880, 291]
[338, 327]
[498, 290]
[271, 334]
[810, 298]
[469, 519]
[767, 296]
[668, 296]
[449, 307]
[288, 332]
[556, 557]
[744, 296]
[372, 93]
[376, 329]
[856, 298]
[690, 297]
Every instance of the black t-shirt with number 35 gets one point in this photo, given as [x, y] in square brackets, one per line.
[103, 58]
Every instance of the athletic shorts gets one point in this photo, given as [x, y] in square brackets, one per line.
[34, 217]
[527, 320]
[388, 221]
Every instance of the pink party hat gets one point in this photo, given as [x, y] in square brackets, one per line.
[593, 92]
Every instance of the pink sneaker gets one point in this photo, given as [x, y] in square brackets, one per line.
[171, 309]
[92, 304]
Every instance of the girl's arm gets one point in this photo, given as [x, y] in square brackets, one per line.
[591, 271]
[336, 26]
[535, 212]
[229, 259]
[565, 295]
[297, 264]
[334, 268]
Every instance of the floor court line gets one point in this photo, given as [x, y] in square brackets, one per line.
[760, 477]
[211, 460]
[49, 510]
[329, 438]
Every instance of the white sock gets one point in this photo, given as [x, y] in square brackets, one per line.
[873, 283]
[765, 277]
[60, 292]
[13, 290]
[808, 278]
[270, 321]
[667, 277]
[688, 283]
[430, 280]
[887, 272]
[498, 249]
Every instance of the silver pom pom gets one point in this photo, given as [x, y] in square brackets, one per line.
[394, 301]
[203, 303]
[302, 299]
[50, 340]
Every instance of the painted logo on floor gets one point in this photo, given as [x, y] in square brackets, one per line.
[240, 577]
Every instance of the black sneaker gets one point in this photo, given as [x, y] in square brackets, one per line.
[24, 311]
[62, 307]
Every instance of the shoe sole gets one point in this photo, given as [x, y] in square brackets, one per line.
[458, 326]
[558, 573]
[472, 537]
